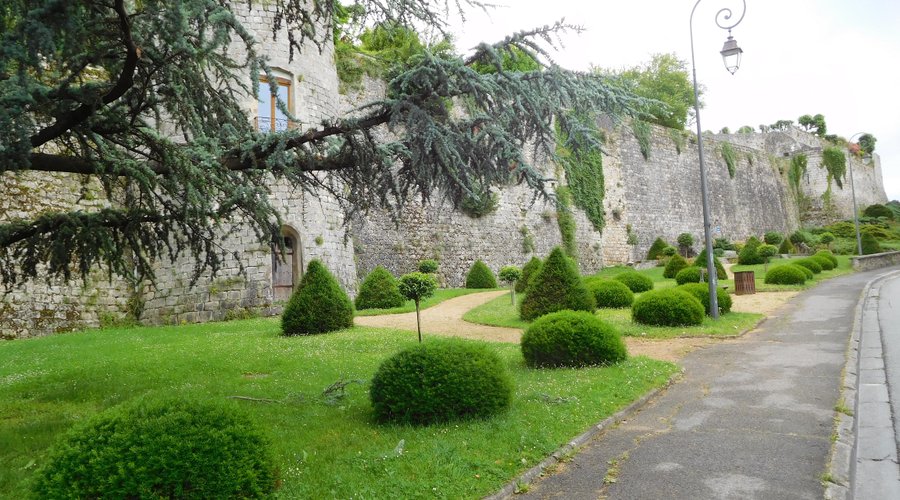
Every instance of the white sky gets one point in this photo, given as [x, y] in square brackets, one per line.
[838, 58]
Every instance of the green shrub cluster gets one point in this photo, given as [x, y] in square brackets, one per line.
[830, 256]
[870, 245]
[878, 210]
[570, 338]
[773, 238]
[635, 281]
[480, 276]
[556, 286]
[529, 270]
[161, 448]
[379, 291]
[749, 254]
[786, 247]
[810, 264]
[676, 263]
[670, 307]
[441, 381]
[610, 293]
[318, 305]
[428, 266]
[823, 261]
[701, 292]
[656, 249]
[789, 274]
[510, 274]
[690, 274]
[700, 261]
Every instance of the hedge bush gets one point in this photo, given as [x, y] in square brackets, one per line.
[701, 292]
[700, 261]
[570, 338]
[785, 275]
[635, 281]
[823, 261]
[830, 256]
[441, 381]
[318, 305]
[749, 254]
[670, 307]
[878, 210]
[428, 266]
[786, 247]
[379, 291]
[480, 276]
[870, 245]
[689, 274]
[529, 270]
[810, 264]
[676, 263]
[556, 286]
[656, 249]
[610, 293]
[161, 448]
[806, 272]
[773, 238]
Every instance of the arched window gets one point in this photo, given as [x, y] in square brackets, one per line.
[286, 268]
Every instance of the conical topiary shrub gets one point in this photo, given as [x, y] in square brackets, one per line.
[750, 253]
[557, 286]
[318, 305]
[870, 244]
[379, 291]
[676, 263]
[480, 276]
[786, 247]
[529, 270]
[700, 261]
[656, 249]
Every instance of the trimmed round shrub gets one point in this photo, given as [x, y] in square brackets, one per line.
[810, 264]
[700, 261]
[701, 291]
[671, 307]
[480, 276]
[786, 247]
[878, 210]
[635, 281]
[676, 263]
[529, 270]
[767, 251]
[870, 245]
[161, 448]
[611, 293]
[441, 381]
[570, 338]
[689, 274]
[823, 261]
[785, 275]
[510, 274]
[417, 286]
[830, 256]
[669, 251]
[826, 238]
[379, 291]
[656, 249]
[428, 266]
[556, 286]
[806, 272]
[749, 254]
[773, 238]
[318, 305]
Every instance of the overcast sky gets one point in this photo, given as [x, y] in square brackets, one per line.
[838, 58]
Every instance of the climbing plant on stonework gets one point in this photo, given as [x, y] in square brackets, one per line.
[584, 174]
[85, 83]
[835, 162]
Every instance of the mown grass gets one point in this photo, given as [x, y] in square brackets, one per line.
[759, 270]
[499, 312]
[325, 449]
[439, 296]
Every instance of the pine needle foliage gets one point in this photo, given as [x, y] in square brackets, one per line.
[480, 276]
[86, 84]
[379, 290]
[557, 286]
[318, 305]
[529, 271]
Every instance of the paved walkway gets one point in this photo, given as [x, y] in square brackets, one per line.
[752, 418]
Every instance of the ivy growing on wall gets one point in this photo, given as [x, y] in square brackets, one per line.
[835, 163]
[677, 137]
[584, 173]
[566, 220]
[527, 240]
[642, 132]
[730, 158]
[796, 171]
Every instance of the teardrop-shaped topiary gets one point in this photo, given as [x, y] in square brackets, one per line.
[379, 291]
[786, 247]
[749, 254]
[529, 270]
[656, 249]
[676, 263]
[480, 276]
[700, 261]
[318, 305]
[557, 286]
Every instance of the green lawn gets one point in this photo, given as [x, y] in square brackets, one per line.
[844, 267]
[499, 312]
[439, 296]
[332, 450]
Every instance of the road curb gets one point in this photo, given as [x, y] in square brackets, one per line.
[529, 476]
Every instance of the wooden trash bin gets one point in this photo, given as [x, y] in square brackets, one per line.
[744, 283]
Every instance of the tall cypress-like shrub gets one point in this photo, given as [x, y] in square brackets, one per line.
[700, 261]
[656, 249]
[556, 287]
[318, 305]
[529, 270]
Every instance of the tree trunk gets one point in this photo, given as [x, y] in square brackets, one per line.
[418, 322]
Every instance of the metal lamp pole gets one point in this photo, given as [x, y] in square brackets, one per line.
[731, 54]
[853, 192]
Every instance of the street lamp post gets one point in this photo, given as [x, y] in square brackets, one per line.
[731, 55]
[853, 192]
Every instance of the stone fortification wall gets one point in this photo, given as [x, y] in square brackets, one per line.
[825, 209]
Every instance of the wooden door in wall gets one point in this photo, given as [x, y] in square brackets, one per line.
[283, 271]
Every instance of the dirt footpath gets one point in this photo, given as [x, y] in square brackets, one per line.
[446, 319]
